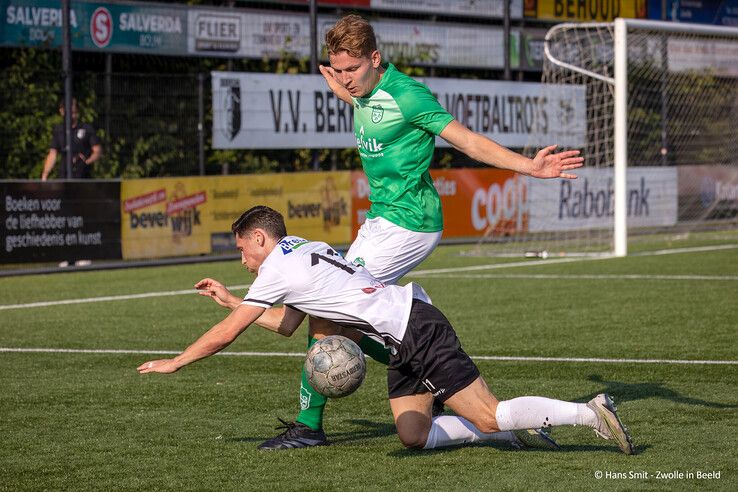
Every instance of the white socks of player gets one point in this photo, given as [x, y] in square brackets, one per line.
[450, 430]
[527, 412]
[534, 412]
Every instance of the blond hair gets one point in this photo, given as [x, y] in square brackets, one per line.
[352, 34]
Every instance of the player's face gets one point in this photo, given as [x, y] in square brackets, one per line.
[358, 75]
[252, 254]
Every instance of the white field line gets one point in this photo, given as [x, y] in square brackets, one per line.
[418, 273]
[695, 249]
[587, 276]
[302, 354]
[111, 298]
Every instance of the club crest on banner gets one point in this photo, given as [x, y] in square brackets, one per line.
[231, 123]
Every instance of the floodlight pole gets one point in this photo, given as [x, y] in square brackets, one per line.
[67, 70]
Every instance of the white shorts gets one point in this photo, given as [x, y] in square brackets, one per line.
[389, 251]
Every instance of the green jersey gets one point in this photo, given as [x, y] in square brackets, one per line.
[395, 127]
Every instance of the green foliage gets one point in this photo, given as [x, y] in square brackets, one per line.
[701, 117]
[28, 110]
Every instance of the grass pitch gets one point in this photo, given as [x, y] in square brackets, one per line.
[88, 421]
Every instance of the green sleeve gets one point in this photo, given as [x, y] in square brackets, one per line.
[420, 107]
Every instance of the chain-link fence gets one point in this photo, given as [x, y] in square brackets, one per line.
[151, 124]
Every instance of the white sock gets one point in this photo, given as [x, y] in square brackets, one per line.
[450, 430]
[534, 412]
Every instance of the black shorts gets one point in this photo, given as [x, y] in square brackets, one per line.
[430, 357]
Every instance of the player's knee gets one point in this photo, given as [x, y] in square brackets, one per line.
[413, 429]
[413, 440]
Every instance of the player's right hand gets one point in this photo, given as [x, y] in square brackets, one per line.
[163, 366]
[330, 78]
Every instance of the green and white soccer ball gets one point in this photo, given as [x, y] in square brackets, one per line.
[335, 366]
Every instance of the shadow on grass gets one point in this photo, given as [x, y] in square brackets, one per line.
[641, 391]
[371, 430]
[366, 430]
[566, 448]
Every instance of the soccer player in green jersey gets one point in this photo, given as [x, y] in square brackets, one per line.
[396, 120]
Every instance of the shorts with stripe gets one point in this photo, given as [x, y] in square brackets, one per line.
[430, 357]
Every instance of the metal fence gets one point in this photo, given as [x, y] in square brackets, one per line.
[150, 124]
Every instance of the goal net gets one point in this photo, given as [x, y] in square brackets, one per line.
[660, 141]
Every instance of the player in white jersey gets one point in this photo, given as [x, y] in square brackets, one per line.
[427, 360]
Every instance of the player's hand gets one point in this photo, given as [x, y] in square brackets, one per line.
[548, 165]
[216, 291]
[330, 77]
[338, 89]
[82, 158]
[163, 366]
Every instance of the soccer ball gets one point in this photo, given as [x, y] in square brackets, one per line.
[335, 366]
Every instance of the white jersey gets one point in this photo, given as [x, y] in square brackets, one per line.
[311, 277]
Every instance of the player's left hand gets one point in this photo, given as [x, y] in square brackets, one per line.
[548, 165]
[163, 366]
[218, 292]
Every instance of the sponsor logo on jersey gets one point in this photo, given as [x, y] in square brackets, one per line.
[377, 114]
[288, 245]
[374, 287]
[369, 144]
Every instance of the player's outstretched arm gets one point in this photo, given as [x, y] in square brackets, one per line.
[282, 320]
[211, 342]
[340, 91]
[543, 165]
[218, 292]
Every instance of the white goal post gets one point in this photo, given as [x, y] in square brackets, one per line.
[661, 125]
[620, 84]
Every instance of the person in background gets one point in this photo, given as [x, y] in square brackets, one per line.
[86, 150]
[85, 147]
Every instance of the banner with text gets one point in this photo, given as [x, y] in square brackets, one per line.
[254, 34]
[191, 216]
[171, 29]
[722, 12]
[55, 221]
[255, 110]
[587, 202]
[705, 56]
[474, 201]
[118, 27]
[585, 10]
[472, 8]
[465, 8]
[708, 193]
